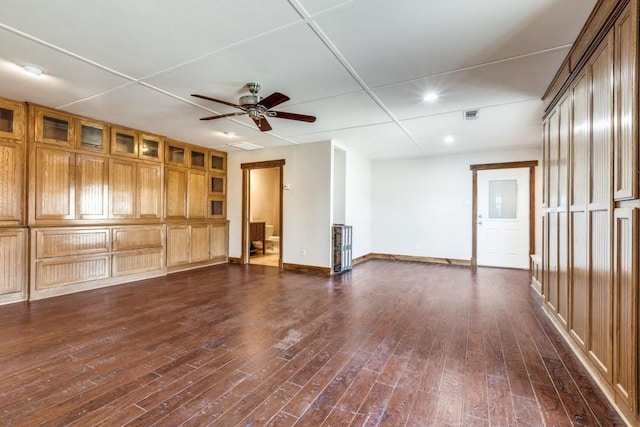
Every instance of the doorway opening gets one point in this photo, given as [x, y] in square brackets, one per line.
[503, 214]
[262, 213]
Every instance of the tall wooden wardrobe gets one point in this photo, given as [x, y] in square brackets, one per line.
[591, 201]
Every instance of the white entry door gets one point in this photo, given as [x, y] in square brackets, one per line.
[503, 218]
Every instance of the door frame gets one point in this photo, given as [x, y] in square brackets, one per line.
[531, 164]
[246, 193]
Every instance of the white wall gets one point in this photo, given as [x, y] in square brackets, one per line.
[358, 201]
[306, 207]
[422, 207]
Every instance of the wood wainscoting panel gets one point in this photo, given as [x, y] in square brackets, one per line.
[70, 270]
[218, 241]
[149, 191]
[177, 245]
[92, 186]
[13, 271]
[552, 263]
[138, 237]
[59, 242]
[122, 188]
[625, 360]
[199, 243]
[54, 184]
[11, 179]
[138, 261]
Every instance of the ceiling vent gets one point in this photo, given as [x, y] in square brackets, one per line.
[470, 114]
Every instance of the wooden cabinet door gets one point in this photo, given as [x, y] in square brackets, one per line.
[149, 191]
[122, 188]
[197, 194]
[199, 242]
[626, 105]
[12, 265]
[178, 251]
[176, 192]
[12, 120]
[218, 242]
[54, 184]
[11, 178]
[625, 339]
[92, 180]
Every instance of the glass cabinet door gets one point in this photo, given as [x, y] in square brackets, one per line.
[151, 148]
[216, 208]
[176, 154]
[12, 122]
[198, 159]
[217, 162]
[92, 136]
[54, 128]
[216, 185]
[124, 142]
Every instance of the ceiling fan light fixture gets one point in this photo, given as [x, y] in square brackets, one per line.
[34, 70]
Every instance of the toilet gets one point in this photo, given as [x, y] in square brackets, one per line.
[273, 242]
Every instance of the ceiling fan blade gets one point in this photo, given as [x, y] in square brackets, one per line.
[292, 116]
[276, 98]
[220, 116]
[262, 123]
[217, 100]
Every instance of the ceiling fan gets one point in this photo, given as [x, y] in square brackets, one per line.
[258, 108]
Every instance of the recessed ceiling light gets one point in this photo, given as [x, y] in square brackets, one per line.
[430, 97]
[34, 70]
[449, 139]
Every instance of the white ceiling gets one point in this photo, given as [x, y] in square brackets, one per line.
[360, 66]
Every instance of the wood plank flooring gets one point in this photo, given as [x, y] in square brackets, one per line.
[388, 344]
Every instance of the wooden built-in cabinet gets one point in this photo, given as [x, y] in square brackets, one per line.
[591, 201]
[13, 234]
[106, 204]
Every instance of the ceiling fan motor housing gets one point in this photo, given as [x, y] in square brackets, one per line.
[249, 100]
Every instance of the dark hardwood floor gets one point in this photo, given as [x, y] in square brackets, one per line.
[390, 343]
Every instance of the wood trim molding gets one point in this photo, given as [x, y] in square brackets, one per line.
[263, 165]
[307, 268]
[411, 258]
[234, 260]
[531, 164]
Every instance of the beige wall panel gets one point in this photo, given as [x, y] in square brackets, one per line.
[65, 242]
[139, 261]
[579, 324]
[602, 129]
[563, 266]
[218, 241]
[552, 275]
[128, 238]
[176, 192]
[12, 261]
[149, 191]
[554, 129]
[199, 242]
[600, 344]
[177, 245]
[122, 188]
[197, 194]
[55, 184]
[92, 181]
[67, 271]
[545, 255]
[626, 148]
[580, 142]
[11, 173]
[626, 308]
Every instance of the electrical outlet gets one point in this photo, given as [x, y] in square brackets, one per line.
[303, 252]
